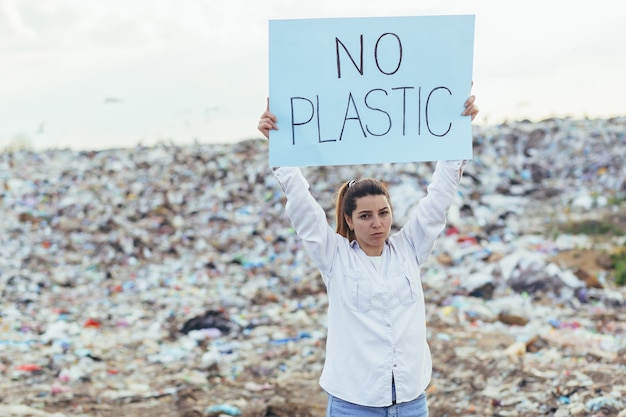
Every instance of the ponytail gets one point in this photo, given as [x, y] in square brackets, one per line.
[342, 225]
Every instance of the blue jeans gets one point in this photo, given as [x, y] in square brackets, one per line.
[340, 408]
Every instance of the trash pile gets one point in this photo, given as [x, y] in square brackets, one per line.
[167, 280]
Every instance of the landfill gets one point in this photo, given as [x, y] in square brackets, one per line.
[167, 280]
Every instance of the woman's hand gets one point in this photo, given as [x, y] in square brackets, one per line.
[268, 121]
[471, 109]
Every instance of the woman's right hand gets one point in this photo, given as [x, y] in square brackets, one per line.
[268, 121]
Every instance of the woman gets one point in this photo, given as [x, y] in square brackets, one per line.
[377, 358]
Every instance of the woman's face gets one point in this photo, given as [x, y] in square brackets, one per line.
[371, 222]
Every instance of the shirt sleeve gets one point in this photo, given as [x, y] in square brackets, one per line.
[429, 219]
[307, 217]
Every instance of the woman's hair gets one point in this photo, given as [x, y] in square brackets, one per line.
[347, 195]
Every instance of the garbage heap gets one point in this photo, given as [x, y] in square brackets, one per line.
[167, 280]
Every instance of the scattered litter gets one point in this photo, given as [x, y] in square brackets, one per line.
[139, 274]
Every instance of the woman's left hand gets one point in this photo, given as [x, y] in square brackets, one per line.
[471, 109]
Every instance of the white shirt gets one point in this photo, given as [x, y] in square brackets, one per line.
[376, 318]
[376, 260]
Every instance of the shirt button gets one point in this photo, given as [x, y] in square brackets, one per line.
[395, 365]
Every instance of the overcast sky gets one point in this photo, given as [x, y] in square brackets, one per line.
[99, 74]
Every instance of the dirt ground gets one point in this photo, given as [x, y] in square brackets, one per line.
[463, 371]
[299, 395]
